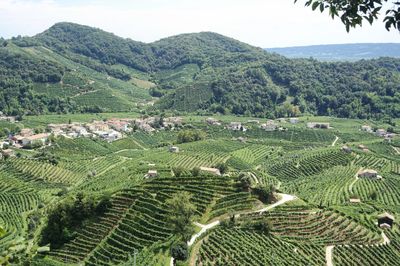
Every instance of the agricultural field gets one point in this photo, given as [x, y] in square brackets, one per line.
[284, 197]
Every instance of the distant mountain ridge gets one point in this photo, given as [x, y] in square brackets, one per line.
[341, 52]
[76, 68]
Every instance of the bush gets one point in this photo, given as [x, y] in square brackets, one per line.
[179, 251]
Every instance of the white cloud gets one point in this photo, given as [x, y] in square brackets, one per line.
[265, 23]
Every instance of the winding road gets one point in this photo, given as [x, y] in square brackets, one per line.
[283, 199]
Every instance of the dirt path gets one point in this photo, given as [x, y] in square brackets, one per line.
[397, 150]
[283, 199]
[334, 142]
[329, 255]
[204, 229]
[356, 179]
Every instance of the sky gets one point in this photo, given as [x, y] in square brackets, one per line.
[263, 23]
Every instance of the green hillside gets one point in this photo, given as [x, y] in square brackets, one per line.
[89, 70]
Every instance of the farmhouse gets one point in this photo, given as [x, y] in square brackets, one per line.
[366, 128]
[212, 121]
[97, 126]
[118, 125]
[385, 220]
[174, 149]
[35, 139]
[369, 173]
[236, 126]
[172, 121]
[152, 173]
[79, 130]
[380, 132]
[346, 149]
[269, 126]
[294, 120]
[318, 125]
[213, 171]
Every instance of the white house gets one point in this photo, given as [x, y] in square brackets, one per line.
[269, 126]
[294, 120]
[152, 173]
[366, 128]
[380, 132]
[38, 138]
[213, 171]
[174, 149]
[235, 126]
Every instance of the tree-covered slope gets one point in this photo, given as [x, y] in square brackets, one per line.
[210, 72]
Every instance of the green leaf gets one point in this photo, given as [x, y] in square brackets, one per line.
[315, 5]
[321, 7]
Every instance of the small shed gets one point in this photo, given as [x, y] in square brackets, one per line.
[355, 200]
[214, 171]
[385, 220]
[369, 173]
[346, 149]
[174, 149]
[152, 173]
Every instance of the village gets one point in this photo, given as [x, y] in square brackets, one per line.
[107, 130]
[116, 128]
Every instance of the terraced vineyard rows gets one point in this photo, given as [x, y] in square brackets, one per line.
[369, 255]
[243, 247]
[330, 187]
[13, 225]
[45, 171]
[302, 166]
[387, 190]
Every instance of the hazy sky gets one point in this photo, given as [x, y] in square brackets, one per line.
[264, 23]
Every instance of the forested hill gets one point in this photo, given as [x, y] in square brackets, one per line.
[341, 52]
[83, 69]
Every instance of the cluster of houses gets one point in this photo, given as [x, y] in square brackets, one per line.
[150, 124]
[380, 132]
[270, 125]
[318, 125]
[108, 130]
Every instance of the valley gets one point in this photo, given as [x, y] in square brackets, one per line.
[235, 215]
[195, 149]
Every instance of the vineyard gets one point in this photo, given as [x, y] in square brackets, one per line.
[331, 204]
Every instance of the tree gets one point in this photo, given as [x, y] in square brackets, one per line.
[265, 193]
[179, 251]
[222, 167]
[177, 171]
[353, 12]
[181, 216]
[245, 181]
[195, 171]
